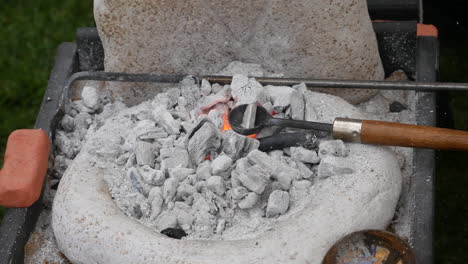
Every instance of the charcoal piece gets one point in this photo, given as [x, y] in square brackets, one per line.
[297, 107]
[147, 130]
[170, 189]
[335, 148]
[131, 161]
[68, 123]
[217, 117]
[238, 193]
[278, 203]
[180, 112]
[184, 191]
[145, 153]
[397, 107]
[221, 165]
[152, 176]
[204, 170]
[216, 185]
[202, 140]
[174, 233]
[137, 212]
[285, 140]
[173, 94]
[276, 154]
[181, 101]
[180, 173]
[269, 107]
[248, 201]
[300, 87]
[137, 181]
[216, 87]
[167, 142]
[210, 101]
[237, 146]
[200, 186]
[190, 91]
[123, 158]
[254, 178]
[279, 171]
[306, 173]
[165, 120]
[205, 87]
[280, 96]
[156, 200]
[174, 157]
[247, 90]
[65, 145]
[90, 97]
[310, 113]
[304, 155]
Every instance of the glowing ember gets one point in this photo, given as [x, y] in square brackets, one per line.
[227, 126]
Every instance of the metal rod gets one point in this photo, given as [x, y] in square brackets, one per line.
[351, 84]
[310, 83]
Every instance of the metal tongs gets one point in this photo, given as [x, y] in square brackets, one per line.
[247, 119]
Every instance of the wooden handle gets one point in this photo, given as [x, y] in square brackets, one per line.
[405, 135]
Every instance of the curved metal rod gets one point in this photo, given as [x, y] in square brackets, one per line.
[310, 83]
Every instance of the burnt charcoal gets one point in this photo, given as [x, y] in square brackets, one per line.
[285, 140]
[203, 140]
[254, 178]
[397, 107]
[145, 153]
[280, 97]
[278, 203]
[248, 201]
[279, 171]
[237, 146]
[297, 107]
[304, 155]
[137, 181]
[247, 91]
[216, 185]
[221, 165]
[166, 121]
[310, 114]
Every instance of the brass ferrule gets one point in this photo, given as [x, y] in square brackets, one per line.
[347, 129]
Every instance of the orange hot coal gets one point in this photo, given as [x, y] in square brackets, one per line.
[227, 126]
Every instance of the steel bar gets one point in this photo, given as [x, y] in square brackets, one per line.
[351, 84]
[311, 83]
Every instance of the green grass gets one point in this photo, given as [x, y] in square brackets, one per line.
[30, 32]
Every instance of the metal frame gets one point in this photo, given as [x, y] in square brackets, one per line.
[19, 223]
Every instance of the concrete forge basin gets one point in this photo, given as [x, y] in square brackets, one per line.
[90, 228]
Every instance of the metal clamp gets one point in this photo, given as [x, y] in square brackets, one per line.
[347, 129]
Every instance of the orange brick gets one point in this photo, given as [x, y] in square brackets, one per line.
[24, 167]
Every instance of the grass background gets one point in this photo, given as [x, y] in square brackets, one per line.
[31, 30]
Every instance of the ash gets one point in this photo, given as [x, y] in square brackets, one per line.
[182, 167]
[210, 202]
